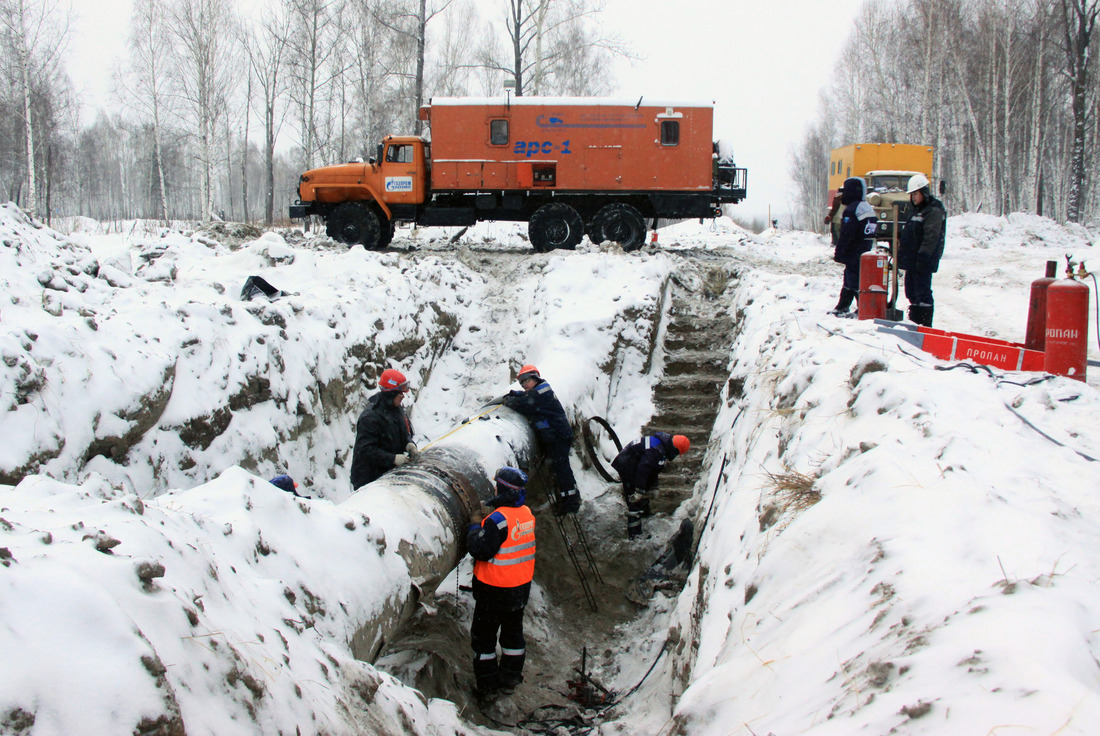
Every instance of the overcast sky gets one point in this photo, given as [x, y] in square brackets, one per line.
[763, 63]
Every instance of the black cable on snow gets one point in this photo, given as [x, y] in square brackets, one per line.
[1047, 436]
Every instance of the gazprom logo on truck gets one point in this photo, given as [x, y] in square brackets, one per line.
[399, 184]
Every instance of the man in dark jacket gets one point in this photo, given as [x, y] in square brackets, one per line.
[383, 433]
[503, 547]
[638, 466]
[857, 236]
[547, 417]
[920, 248]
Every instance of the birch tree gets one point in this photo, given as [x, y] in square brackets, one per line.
[202, 30]
[542, 33]
[410, 18]
[36, 31]
[311, 46]
[267, 49]
[144, 86]
[1078, 26]
[450, 75]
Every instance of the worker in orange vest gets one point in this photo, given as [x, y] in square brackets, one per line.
[503, 547]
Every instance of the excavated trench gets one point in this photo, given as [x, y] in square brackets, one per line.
[432, 652]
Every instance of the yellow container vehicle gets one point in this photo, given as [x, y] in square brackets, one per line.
[886, 167]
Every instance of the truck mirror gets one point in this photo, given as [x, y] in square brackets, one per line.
[378, 153]
[943, 187]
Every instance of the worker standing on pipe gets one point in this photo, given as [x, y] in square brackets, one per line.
[383, 433]
[503, 547]
[547, 417]
[638, 466]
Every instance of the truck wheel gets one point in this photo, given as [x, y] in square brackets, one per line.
[555, 225]
[355, 222]
[622, 223]
[387, 235]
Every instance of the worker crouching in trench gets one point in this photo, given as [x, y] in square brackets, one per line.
[639, 465]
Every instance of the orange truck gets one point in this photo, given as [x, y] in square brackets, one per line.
[568, 167]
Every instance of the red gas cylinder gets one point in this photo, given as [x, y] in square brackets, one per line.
[872, 285]
[1067, 329]
[1035, 338]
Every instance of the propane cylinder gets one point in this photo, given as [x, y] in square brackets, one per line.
[872, 285]
[1035, 338]
[1067, 329]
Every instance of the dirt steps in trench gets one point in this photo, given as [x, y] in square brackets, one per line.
[696, 344]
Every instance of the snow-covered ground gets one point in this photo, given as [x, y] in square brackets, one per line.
[888, 545]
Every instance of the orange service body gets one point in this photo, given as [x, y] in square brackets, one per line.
[570, 144]
[568, 166]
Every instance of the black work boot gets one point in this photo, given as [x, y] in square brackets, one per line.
[569, 502]
[921, 314]
[845, 301]
[508, 682]
[486, 689]
[636, 506]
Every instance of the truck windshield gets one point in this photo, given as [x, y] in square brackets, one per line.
[892, 183]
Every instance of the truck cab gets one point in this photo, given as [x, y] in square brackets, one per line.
[360, 201]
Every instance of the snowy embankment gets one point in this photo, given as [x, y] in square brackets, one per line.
[135, 372]
[894, 546]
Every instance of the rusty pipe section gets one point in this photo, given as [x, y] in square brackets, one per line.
[423, 508]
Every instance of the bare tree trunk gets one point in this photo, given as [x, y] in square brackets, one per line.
[517, 23]
[244, 149]
[266, 52]
[1033, 190]
[540, 25]
[159, 158]
[421, 32]
[1079, 23]
[24, 60]
[926, 88]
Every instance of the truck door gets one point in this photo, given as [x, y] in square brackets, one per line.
[403, 173]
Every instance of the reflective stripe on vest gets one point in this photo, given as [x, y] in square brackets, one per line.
[514, 562]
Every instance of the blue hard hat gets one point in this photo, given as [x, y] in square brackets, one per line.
[511, 484]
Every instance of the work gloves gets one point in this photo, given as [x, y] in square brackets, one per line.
[924, 262]
[411, 453]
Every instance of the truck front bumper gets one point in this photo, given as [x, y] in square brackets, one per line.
[299, 210]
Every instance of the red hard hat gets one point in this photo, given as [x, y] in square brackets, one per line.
[681, 443]
[528, 371]
[392, 380]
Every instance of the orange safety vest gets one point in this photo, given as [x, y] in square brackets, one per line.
[514, 562]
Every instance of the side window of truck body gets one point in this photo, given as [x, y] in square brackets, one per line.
[670, 132]
[498, 132]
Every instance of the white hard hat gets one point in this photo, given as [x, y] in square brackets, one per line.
[916, 183]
